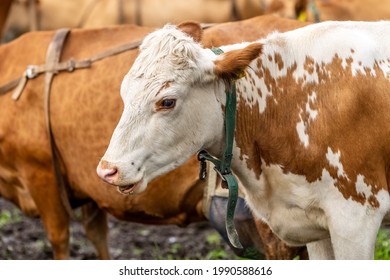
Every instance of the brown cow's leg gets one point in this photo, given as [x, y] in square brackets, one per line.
[56, 223]
[95, 225]
[58, 235]
[44, 191]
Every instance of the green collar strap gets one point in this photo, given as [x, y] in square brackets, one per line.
[222, 167]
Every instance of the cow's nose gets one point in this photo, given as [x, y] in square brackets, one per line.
[107, 174]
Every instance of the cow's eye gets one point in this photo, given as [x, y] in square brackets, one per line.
[166, 104]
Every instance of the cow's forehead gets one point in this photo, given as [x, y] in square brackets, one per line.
[165, 54]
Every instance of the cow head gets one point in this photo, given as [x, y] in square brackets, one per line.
[173, 98]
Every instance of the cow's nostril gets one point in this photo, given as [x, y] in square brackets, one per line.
[111, 172]
[107, 174]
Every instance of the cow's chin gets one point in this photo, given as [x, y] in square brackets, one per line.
[132, 189]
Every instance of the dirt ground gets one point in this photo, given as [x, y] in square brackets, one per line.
[25, 239]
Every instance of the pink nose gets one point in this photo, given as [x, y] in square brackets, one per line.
[107, 174]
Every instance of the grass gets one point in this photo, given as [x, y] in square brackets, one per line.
[382, 246]
[216, 254]
[8, 217]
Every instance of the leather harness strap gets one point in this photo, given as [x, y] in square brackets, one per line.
[33, 71]
[52, 58]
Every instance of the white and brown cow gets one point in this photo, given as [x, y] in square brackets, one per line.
[312, 139]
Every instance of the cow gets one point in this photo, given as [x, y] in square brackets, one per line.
[54, 14]
[311, 143]
[322, 10]
[85, 109]
[367, 10]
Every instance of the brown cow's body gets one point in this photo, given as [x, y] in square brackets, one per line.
[54, 14]
[368, 10]
[322, 10]
[85, 109]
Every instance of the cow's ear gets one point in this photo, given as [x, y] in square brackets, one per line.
[193, 29]
[231, 65]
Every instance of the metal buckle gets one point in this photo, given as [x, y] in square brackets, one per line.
[31, 72]
[224, 183]
[71, 65]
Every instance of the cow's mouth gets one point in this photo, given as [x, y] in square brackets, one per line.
[129, 189]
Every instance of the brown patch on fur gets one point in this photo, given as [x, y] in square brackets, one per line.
[233, 63]
[352, 118]
[309, 65]
[279, 61]
[193, 29]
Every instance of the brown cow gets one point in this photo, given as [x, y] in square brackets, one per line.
[54, 14]
[321, 10]
[367, 10]
[85, 108]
